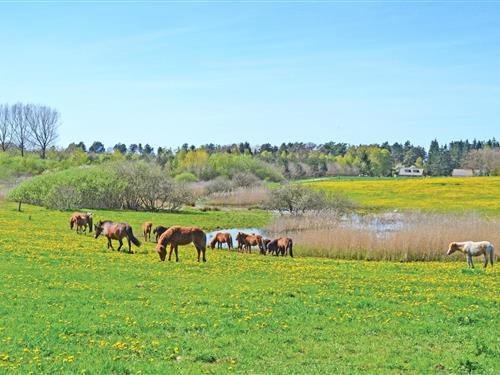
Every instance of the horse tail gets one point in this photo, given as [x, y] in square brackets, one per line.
[90, 222]
[71, 223]
[290, 247]
[230, 242]
[131, 236]
[492, 254]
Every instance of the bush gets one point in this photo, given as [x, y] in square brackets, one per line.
[130, 185]
[298, 199]
[186, 177]
[245, 180]
[219, 185]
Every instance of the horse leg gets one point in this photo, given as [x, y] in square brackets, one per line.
[176, 248]
[129, 246]
[170, 252]
[469, 261]
[110, 244]
[203, 250]
[121, 244]
[199, 253]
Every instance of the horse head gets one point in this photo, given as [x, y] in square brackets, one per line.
[452, 248]
[98, 229]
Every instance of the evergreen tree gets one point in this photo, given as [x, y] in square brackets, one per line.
[434, 159]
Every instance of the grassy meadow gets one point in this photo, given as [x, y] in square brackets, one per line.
[68, 305]
[440, 194]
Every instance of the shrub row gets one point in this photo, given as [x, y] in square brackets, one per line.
[124, 185]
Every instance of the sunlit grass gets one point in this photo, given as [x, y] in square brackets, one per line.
[480, 194]
[68, 305]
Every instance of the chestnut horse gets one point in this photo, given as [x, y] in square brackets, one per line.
[176, 236]
[281, 246]
[81, 221]
[146, 230]
[158, 231]
[246, 241]
[116, 231]
[221, 238]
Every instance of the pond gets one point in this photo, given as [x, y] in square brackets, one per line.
[234, 232]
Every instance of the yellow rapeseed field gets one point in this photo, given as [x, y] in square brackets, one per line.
[480, 194]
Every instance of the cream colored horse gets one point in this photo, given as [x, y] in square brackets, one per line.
[472, 249]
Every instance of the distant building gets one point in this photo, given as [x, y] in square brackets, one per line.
[411, 171]
[463, 173]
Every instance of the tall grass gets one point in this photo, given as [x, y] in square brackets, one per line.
[245, 196]
[413, 236]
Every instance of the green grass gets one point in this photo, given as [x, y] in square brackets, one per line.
[440, 194]
[69, 305]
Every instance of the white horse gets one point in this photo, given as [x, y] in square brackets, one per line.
[472, 249]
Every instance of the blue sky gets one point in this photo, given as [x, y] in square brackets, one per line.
[222, 72]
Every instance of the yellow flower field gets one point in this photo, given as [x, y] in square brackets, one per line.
[481, 194]
[69, 305]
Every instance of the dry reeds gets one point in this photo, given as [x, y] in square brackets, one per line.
[395, 237]
[245, 197]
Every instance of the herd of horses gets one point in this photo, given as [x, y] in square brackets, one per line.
[176, 236]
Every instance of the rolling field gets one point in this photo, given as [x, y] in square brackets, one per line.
[67, 305]
[441, 194]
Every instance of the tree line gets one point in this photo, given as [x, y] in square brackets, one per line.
[28, 125]
[301, 160]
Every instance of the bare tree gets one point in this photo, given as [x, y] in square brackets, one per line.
[5, 128]
[20, 128]
[486, 161]
[43, 123]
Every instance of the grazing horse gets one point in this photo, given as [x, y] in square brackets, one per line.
[221, 238]
[472, 249]
[146, 230]
[281, 246]
[176, 236]
[265, 242]
[116, 231]
[81, 221]
[158, 231]
[246, 241]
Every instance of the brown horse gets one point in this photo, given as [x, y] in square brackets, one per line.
[81, 221]
[281, 246]
[246, 241]
[158, 231]
[221, 238]
[265, 242]
[176, 236]
[146, 230]
[116, 231]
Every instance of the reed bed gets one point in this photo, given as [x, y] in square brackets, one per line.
[394, 237]
[246, 197]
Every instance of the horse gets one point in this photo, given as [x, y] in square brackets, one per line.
[221, 238]
[81, 221]
[116, 231]
[281, 246]
[246, 241]
[158, 231]
[146, 230]
[472, 249]
[176, 236]
[265, 242]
